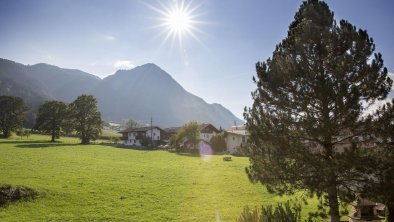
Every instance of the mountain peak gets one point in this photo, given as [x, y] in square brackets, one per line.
[145, 92]
[149, 67]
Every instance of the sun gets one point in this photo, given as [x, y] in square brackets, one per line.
[178, 21]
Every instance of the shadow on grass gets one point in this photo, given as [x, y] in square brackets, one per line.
[195, 153]
[192, 154]
[24, 141]
[133, 147]
[45, 145]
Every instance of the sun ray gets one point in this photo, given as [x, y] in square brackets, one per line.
[178, 21]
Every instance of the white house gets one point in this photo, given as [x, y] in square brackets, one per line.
[236, 136]
[135, 136]
[207, 131]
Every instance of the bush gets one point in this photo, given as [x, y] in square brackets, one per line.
[23, 133]
[219, 143]
[281, 213]
[146, 141]
[249, 216]
[174, 143]
[9, 194]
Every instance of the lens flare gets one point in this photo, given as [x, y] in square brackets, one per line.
[205, 151]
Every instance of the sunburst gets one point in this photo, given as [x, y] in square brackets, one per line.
[179, 21]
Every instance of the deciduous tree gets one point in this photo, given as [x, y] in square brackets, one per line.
[132, 124]
[12, 114]
[309, 100]
[50, 118]
[86, 119]
[189, 133]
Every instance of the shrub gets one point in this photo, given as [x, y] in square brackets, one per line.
[219, 143]
[23, 132]
[281, 213]
[146, 141]
[9, 194]
[249, 216]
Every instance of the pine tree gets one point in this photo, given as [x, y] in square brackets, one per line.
[382, 136]
[309, 100]
[50, 118]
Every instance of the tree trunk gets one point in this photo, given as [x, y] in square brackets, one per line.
[333, 203]
[390, 211]
[6, 133]
[53, 136]
[85, 140]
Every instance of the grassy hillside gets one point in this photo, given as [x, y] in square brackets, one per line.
[102, 183]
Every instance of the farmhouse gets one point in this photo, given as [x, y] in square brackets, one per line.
[171, 131]
[207, 131]
[138, 136]
[236, 136]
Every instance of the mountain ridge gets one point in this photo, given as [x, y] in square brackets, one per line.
[140, 93]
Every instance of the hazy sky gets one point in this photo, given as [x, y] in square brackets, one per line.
[217, 63]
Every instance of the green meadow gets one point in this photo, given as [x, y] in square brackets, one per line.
[108, 183]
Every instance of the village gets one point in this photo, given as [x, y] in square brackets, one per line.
[235, 137]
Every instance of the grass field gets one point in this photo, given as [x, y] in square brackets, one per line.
[105, 183]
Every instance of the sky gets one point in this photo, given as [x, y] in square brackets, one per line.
[215, 60]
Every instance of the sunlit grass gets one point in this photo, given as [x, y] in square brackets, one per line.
[104, 183]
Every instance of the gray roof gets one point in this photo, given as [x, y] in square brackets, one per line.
[139, 129]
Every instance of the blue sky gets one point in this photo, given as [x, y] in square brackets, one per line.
[100, 36]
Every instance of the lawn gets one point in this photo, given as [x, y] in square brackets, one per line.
[106, 183]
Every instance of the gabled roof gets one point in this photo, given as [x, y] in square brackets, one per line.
[204, 126]
[139, 129]
[172, 129]
[363, 202]
[237, 130]
[201, 127]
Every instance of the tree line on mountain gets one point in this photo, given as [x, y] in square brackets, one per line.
[311, 99]
[53, 117]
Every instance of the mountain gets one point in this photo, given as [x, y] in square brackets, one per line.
[140, 93]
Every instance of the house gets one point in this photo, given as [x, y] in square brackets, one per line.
[169, 132]
[236, 136]
[141, 135]
[112, 126]
[207, 131]
[364, 210]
